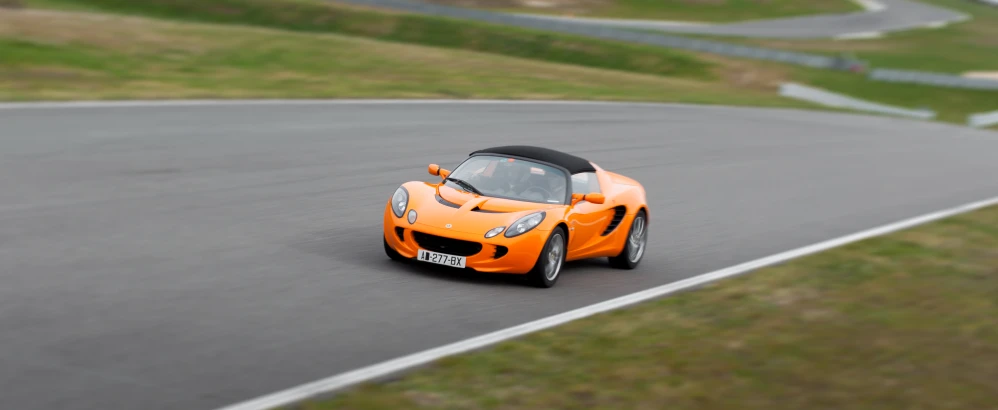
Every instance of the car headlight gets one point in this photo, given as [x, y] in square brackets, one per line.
[412, 216]
[525, 224]
[400, 200]
[494, 231]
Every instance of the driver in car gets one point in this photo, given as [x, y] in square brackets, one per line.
[513, 177]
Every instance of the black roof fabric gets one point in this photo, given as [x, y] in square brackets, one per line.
[571, 162]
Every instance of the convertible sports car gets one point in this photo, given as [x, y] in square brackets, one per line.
[518, 210]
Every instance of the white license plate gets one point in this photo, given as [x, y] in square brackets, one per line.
[440, 258]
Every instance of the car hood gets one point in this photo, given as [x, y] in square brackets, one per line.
[469, 213]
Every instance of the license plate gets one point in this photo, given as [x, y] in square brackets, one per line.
[441, 258]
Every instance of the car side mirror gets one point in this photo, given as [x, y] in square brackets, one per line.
[595, 198]
[435, 169]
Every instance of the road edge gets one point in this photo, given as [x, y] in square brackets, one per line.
[364, 374]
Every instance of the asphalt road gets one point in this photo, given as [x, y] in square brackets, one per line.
[895, 15]
[193, 257]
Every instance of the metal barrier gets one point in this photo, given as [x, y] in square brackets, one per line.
[823, 97]
[984, 119]
[934, 79]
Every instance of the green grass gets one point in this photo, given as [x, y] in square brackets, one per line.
[952, 105]
[66, 56]
[905, 321]
[968, 46]
[718, 80]
[685, 10]
[319, 16]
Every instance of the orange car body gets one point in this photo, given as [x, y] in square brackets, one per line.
[454, 221]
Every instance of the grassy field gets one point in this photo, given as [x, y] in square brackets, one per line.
[685, 10]
[952, 105]
[968, 46]
[317, 16]
[905, 321]
[56, 56]
[309, 66]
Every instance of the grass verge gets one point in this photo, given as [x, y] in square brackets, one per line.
[684, 10]
[897, 322]
[66, 56]
[309, 70]
[955, 49]
[952, 105]
[324, 17]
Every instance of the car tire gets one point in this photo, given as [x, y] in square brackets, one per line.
[635, 244]
[547, 270]
[395, 256]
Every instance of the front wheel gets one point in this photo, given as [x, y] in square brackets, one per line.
[548, 268]
[634, 245]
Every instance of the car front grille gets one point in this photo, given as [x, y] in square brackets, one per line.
[449, 246]
[500, 251]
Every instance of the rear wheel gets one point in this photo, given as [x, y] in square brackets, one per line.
[634, 244]
[548, 268]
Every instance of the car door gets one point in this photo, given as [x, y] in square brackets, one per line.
[586, 220]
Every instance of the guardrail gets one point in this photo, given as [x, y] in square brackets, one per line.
[625, 35]
[984, 119]
[935, 79]
[827, 98]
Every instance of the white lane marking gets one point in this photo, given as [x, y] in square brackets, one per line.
[859, 36]
[252, 102]
[617, 22]
[871, 5]
[305, 391]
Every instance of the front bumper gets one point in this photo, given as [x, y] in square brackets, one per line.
[494, 255]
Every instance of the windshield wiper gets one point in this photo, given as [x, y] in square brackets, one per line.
[465, 184]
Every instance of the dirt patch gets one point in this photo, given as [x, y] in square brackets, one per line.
[749, 74]
[11, 4]
[118, 33]
[41, 73]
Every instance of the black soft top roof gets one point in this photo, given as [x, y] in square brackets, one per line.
[572, 163]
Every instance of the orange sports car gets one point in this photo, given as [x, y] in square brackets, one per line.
[519, 210]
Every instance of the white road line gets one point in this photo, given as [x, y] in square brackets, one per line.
[617, 22]
[252, 102]
[336, 382]
[43, 105]
[871, 5]
[858, 36]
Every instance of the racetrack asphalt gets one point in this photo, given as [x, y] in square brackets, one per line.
[896, 15]
[192, 257]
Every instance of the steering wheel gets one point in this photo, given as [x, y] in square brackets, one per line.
[545, 191]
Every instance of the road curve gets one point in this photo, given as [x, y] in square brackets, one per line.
[190, 257]
[896, 15]
[893, 15]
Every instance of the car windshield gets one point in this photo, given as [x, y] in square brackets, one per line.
[509, 178]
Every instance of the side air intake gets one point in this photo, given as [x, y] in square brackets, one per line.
[618, 215]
